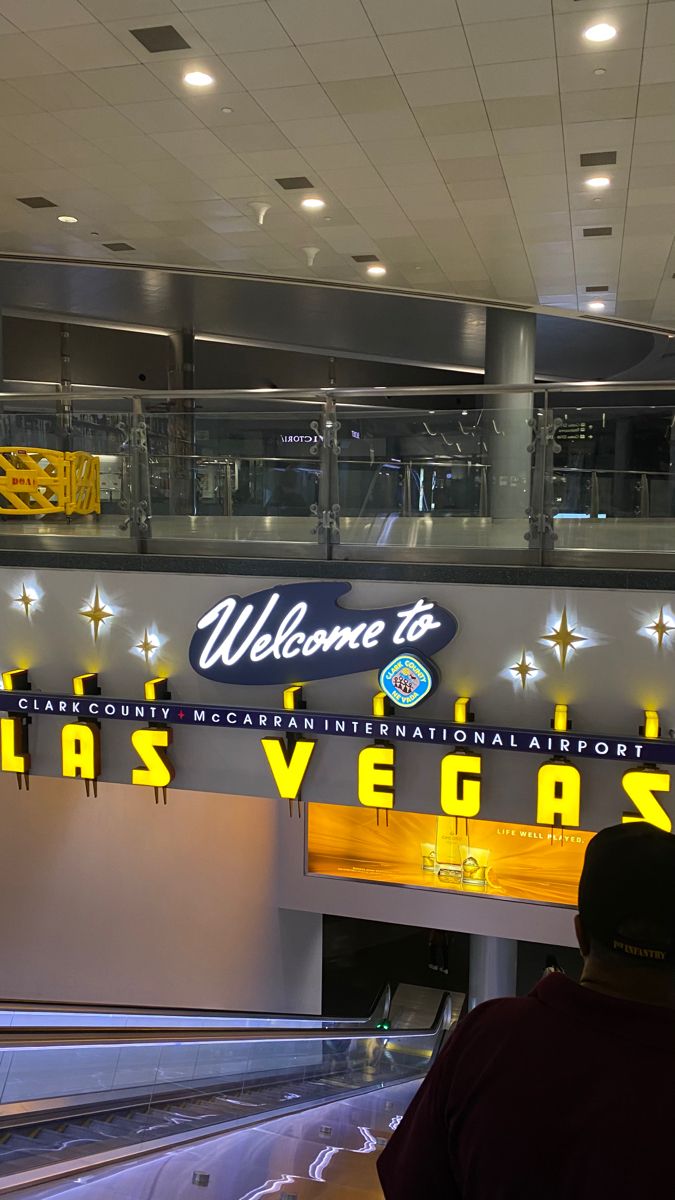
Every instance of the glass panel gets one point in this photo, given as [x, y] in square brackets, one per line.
[613, 482]
[221, 471]
[453, 479]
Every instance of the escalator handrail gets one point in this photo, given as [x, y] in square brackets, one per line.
[378, 1012]
[46, 1038]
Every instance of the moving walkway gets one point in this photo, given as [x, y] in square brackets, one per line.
[72, 1100]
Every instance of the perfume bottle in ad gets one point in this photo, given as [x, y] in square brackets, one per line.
[449, 847]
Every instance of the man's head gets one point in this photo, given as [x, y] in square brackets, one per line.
[626, 922]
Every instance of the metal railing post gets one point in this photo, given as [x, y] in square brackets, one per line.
[595, 495]
[541, 535]
[65, 397]
[228, 500]
[140, 513]
[644, 495]
[407, 490]
[483, 493]
[327, 507]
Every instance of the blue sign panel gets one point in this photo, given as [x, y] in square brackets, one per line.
[398, 728]
[299, 632]
[407, 680]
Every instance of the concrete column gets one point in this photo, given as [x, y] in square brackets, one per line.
[493, 966]
[509, 358]
[181, 427]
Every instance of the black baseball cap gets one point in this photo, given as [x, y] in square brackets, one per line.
[627, 893]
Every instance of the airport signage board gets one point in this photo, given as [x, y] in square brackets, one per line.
[289, 738]
[299, 631]
[325, 694]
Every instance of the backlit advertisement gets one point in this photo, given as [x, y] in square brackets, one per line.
[489, 858]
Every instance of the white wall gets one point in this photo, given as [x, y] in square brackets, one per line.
[116, 900]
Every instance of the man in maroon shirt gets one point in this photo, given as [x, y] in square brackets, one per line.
[568, 1093]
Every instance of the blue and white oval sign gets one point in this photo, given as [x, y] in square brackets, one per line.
[407, 680]
[299, 632]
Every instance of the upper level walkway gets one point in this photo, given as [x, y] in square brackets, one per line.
[557, 474]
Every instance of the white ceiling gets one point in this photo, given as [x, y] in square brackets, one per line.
[444, 136]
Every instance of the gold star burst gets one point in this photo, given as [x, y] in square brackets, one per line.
[97, 613]
[524, 669]
[563, 638]
[661, 628]
[25, 598]
[147, 646]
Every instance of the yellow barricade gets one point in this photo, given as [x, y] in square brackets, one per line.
[32, 481]
[37, 482]
[84, 484]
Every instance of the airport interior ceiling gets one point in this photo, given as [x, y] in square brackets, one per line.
[521, 150]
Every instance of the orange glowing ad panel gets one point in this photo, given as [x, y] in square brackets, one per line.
[493, 858]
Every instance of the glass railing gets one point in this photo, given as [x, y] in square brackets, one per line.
[46, 1017]
[503, 475]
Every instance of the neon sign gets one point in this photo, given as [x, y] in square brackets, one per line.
[299, 630]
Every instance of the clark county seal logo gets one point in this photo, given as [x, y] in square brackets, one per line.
[406, 680]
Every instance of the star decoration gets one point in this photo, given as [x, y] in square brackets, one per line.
[147, 646]
[25, 598]
[661, 628]
[563, 638]
[97, 613]
[524, 669]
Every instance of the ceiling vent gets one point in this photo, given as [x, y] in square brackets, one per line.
[158, 38]
[117, 246]
[599, 158]
[598, 231]
[598, 287]
[365, 258]
[36, 202]
[292, 183]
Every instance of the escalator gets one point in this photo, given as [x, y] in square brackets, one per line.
[73, 1100]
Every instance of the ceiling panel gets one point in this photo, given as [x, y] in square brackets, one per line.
[355, 59]
[44, 14]
[322, 20]
[511, 41]
[399, 16]
[443, 135]
[428, 50]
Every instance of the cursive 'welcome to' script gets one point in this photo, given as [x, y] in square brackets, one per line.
[298, 631]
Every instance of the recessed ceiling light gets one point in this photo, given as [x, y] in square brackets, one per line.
[376, 270]
[602, 32]
[313, 202]
[596, 306]
[600, 71]
[598, 181]
[67, 220]
[226, 110]
[198, 79]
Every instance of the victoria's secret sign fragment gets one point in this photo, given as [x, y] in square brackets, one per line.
[299, 630]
